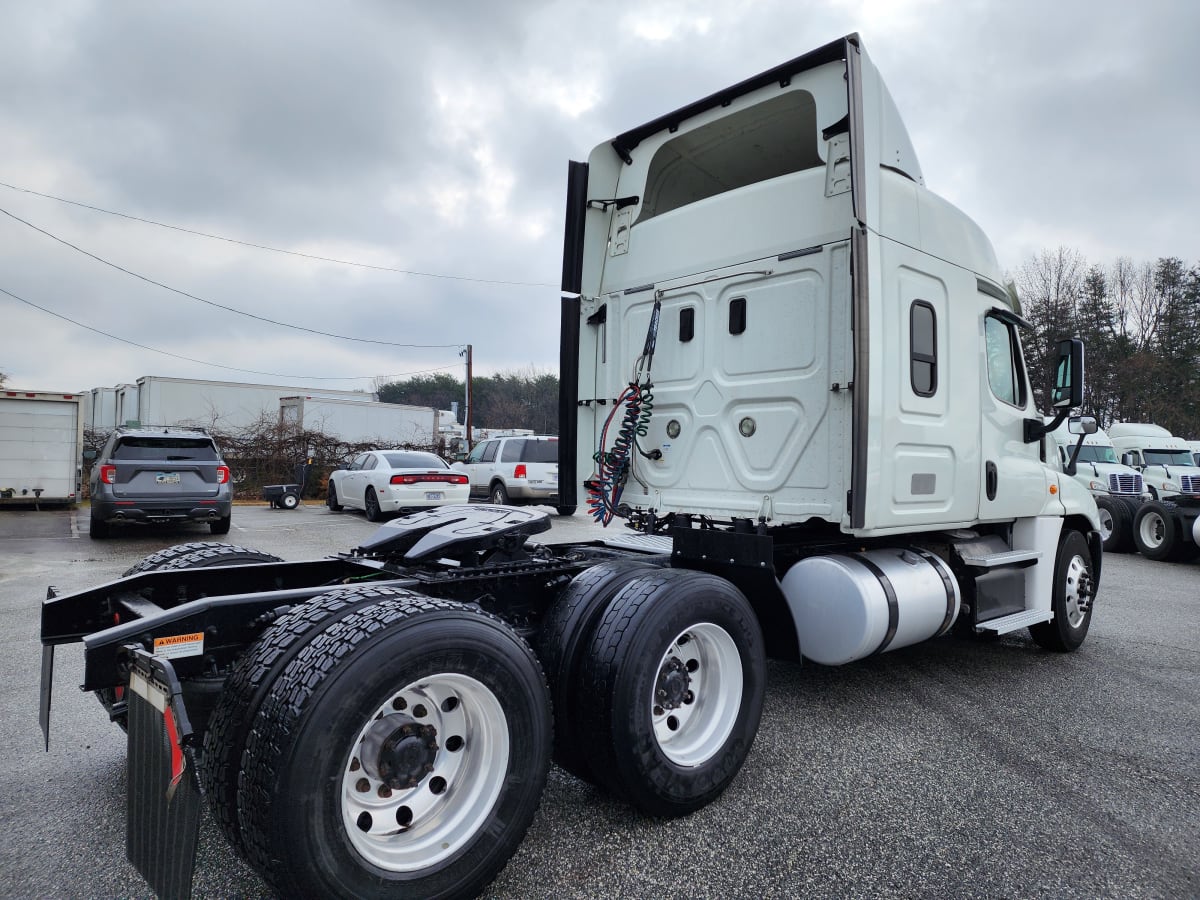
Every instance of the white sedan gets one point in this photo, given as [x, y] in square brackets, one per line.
[389, 481]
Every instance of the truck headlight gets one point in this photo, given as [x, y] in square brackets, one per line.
[1098, 487]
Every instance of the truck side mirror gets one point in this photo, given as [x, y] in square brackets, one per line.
[1083, 425]
[89, 455]
[1068, 376]
[1065, 394]
[1127, 459]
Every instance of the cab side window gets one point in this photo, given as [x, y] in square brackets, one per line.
[1006, 372]
[922, 350]
[489, 451]
[476, 455]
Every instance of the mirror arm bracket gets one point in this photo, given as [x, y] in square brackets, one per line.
[1035, 428]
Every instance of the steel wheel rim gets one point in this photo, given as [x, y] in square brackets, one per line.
[1106, 524]
[408, 828]
[692, 725]
[1077, 591]
[1153, 530]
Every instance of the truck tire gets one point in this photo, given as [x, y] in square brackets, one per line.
[217, 554]
[206, 553]
[403, 753]
[563, 641]
[371, 506]
[1072, 599]
[157, 560]
[1156, 530]
[675, 675]
[565, 510]
[331, 499]
[1114, 523]
[498, 494]
[97, 529]
[220, 526]
[248, 684]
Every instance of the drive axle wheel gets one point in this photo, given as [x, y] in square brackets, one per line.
[676, 676]
[249, 683]
[403, 752]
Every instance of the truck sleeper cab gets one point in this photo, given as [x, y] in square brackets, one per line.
[786, 364]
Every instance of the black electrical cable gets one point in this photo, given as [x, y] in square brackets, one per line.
[217, 237]
[167, 287]
[213, 364]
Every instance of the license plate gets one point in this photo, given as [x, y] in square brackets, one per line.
[433, 495]
[166, 478]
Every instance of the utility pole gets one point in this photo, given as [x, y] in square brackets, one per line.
[470, 405]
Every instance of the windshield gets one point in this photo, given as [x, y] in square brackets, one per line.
[1096, 454]
[1168, 458]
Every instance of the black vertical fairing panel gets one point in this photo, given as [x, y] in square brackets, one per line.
[859, 286]
[568, 341]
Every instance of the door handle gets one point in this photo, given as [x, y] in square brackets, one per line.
[991, 479]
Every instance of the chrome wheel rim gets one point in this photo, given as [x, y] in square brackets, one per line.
[425, 772]
[1078, 591]
[697, 694]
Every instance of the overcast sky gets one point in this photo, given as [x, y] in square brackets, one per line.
[434, 138]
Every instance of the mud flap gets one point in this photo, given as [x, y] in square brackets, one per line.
[163, 803]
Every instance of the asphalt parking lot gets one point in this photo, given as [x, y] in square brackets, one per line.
[948, 769]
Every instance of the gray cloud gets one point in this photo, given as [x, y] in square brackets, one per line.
[435, 137]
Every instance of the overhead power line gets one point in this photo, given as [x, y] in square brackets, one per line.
[204, 362]
[240, 312]
[313, 256]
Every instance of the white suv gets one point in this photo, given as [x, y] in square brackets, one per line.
[516, 470]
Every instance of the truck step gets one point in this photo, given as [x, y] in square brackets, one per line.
[1023, 619]
[1016, 558]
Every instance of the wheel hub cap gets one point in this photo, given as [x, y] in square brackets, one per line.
[400, 756]
[673, 683]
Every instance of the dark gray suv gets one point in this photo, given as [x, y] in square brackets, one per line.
[157, 474]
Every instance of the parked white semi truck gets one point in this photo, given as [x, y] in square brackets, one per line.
[1169, 526]
[789, 366]
[1117, 489]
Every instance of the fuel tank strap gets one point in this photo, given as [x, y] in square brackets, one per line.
[951, 606]
[890, 593]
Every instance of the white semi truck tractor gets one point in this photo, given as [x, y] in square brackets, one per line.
[1118, 490]
[1168, 527]
[793, 372]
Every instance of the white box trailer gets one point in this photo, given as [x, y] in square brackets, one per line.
[356, 422]
[227, 405]
[41, 445]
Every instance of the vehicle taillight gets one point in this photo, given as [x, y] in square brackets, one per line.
[222, 474]
[520, 471]
[435, 477]
[108, 474]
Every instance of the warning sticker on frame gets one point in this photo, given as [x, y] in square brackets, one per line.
[178, 645]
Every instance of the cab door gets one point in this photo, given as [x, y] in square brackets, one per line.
[1014, 480]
